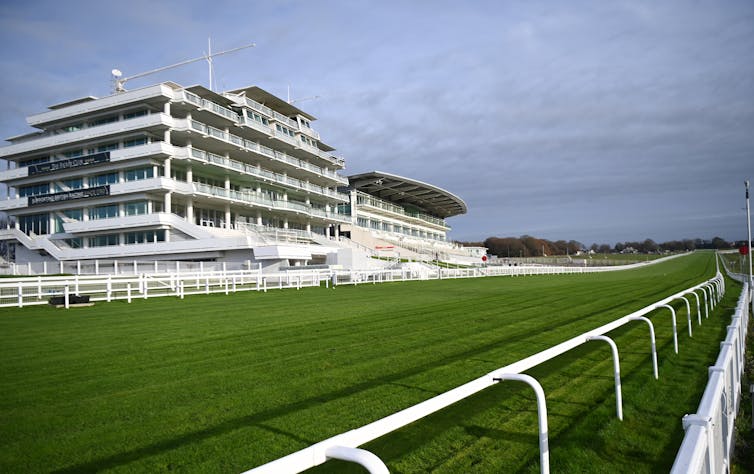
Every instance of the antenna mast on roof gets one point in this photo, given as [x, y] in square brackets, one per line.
[119, 81]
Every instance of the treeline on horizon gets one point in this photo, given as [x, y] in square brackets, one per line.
[528, 246]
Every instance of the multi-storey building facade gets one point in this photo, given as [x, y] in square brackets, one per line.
[403, 216]
[173, 172]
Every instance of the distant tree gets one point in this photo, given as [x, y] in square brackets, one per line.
[649, 246]
[719, 243]
[604, 248]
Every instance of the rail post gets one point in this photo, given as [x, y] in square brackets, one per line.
[364, 458]
[652, 338]
[675, 331]
[616, 373]
[544, 450]
[698, 309]
[688, 313]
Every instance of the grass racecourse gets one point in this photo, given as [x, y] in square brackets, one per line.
[219, 383]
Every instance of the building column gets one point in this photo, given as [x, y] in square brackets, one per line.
[189, 174]
[168, 204]
[166, 167]
[259, 217]
[166, 108]
[227, 216]
[166, 137]
[285, 223]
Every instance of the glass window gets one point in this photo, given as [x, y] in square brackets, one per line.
[76, 214]
[178, 209]
[34, 223]
[134, 142]
[103, 240]
[103, 121]
[74, 153]
[69, 184]
[136, 208]
[33, 161]
[103, 212]
[108, 147]
[178, 175]
[34, 189]
[74, 243]
[139, 173]
[103, 179]
[137, 113]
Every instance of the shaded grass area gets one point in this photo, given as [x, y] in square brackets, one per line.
[221, 383]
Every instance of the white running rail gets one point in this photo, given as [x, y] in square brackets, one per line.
[317, 454]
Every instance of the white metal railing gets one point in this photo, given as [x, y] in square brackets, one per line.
[278, 204]
[363, 199]
[39, 290]
[708, 443]
[259, 172]
[264, 150]
[238, 119]
[317, 454]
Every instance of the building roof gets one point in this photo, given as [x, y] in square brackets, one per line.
[275, 103]
[405, 191]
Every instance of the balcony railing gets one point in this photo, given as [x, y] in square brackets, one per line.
[264, 150]
[260, 172]
[363, 199]
[276, 204]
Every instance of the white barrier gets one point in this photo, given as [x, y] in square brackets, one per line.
[708, 441]
[39, 290]
[316, 454]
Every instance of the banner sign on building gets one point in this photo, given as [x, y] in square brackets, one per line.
[69, 195]
[70, 163]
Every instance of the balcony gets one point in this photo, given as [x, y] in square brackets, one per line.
[266, 175]
[100, 131]
[268, 152]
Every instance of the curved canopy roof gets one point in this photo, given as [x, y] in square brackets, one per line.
[409, 192]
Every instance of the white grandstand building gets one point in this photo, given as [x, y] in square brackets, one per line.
[177, 173]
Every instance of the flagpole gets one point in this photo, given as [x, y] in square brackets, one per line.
[748, 242]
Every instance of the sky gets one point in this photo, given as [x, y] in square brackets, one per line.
[595, 121]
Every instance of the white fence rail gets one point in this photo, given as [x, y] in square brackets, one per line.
[102, 280]
[41, 290]
[347, 443]
[708, 442]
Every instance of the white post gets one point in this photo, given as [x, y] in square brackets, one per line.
[748, 244]
[364, 458]
[616, 373]
[20, 295]
[544, 450]
[128, 292]
[109, 287]
[652, 337]
[675, 332]
[96, 267]
[688, 313]
[66, 298]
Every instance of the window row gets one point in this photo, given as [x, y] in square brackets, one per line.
[128, 238]
[102, 121]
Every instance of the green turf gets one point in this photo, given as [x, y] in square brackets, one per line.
[223, 383]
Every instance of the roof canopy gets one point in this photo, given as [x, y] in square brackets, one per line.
[408, 192]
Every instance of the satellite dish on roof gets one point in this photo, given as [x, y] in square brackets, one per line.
[116, 73]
